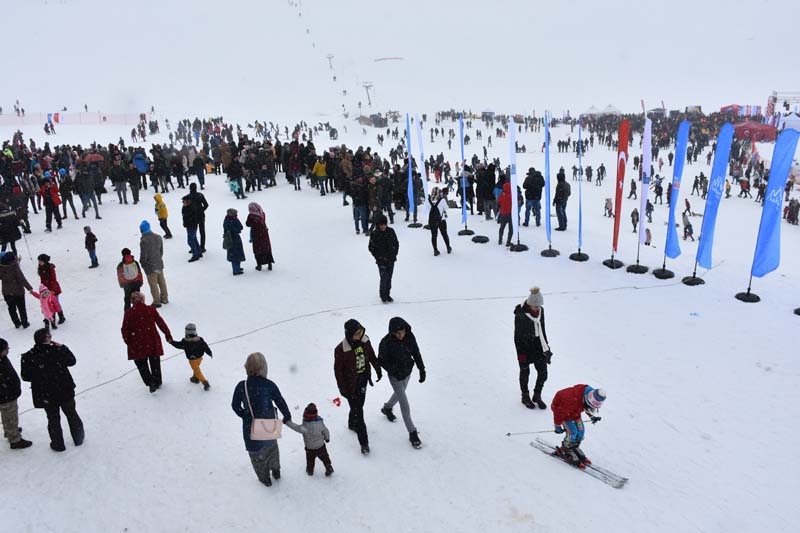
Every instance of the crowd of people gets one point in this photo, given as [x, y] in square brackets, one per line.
[46, 178]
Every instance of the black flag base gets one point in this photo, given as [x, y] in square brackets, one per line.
[613, 263]
[797, 311]
[480, 239]
[415, 225]
[663, 273]
[692, 281]
[518, 247]
[637, 269]
[579, 256]
[748, 297]
[466, 231]
[550, 252]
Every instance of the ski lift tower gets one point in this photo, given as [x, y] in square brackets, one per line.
[330, 60]
[368, 85]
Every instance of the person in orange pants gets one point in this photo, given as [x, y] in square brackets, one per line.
[194, 347]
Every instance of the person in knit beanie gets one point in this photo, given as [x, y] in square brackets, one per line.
[194, 347]
[89, 243]
[530, 341]
[315, 435]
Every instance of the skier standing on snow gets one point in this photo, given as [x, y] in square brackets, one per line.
[530, 341]
[568, 406]
[398, 353]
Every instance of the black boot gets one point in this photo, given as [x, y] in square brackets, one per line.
[61, 318]
[537, 399]
[526, 400]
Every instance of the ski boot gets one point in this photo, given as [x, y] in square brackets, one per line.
[581, 456]
[568, 455]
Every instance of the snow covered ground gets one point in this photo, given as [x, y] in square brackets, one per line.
[699, 384]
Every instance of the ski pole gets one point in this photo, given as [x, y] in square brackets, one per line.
[530, 432]
[26, 246]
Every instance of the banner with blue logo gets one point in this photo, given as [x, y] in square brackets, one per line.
[547, 225]
[412, 204]
[463, 173]
[422, 164]
[768, 246]
[715, 187]
[673, 248]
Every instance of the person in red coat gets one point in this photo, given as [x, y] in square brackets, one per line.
[49, 193]
[504, 203]
[47, 277]
[144, 343]
[568, 406]
[262, 248]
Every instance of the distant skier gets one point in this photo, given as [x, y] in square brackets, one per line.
[568, 406]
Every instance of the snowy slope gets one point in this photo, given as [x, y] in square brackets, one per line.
[698, 382]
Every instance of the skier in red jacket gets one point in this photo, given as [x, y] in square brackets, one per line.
[568, 406]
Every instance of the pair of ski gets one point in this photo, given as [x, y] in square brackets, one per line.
[606, 476]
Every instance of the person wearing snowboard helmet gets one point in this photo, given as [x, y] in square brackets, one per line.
[568, 406]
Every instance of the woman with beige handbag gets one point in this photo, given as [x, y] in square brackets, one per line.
[254, 401]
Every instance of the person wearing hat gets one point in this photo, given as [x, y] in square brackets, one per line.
[315, 435]
[568, 406]
[353, 361]
[194, 347]
[144, 344]
[49, 194]
[383, 246]
[398, 353]
[129, 276]
[232, 241]
[437, 220]
[14, 285]
[46, 368]
[530, 341]
[47, 277]
[151, 257]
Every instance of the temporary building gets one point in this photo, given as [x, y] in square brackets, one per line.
[755, 131]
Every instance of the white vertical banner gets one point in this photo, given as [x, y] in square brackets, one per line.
[512, 179]
[647, 155]
[422, 166]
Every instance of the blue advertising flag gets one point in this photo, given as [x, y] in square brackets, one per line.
[647, 156]
[580, 188]
[547, 225]
[422, 163]
[412, 204]
[715, 187]
[768, 246]
[673, 248]
[512, 178]
[463, 173]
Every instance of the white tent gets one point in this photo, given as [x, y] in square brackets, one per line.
[789, 121]
[591, 111]
[611, 110]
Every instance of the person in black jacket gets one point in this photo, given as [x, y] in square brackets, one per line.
[383, 246]
[437, 219]
[398, 353]
[533, 185]
[200, 204]
[530, 341]
[194, 347]
[10, 390]
[191, 220]
[46, 367]
[560, 200]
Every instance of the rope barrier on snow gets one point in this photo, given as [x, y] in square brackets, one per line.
[362, 306]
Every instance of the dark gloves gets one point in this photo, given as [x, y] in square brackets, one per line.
[595, 419]
[559, 430]
[422, 375]
[548, 355]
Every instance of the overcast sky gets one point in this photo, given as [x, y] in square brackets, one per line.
[251, 57]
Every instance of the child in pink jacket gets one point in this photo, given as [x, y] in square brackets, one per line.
[50, 305]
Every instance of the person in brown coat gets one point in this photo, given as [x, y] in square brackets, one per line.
[144, 343]
[262, 248]
[352, 359]
[14, 287]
